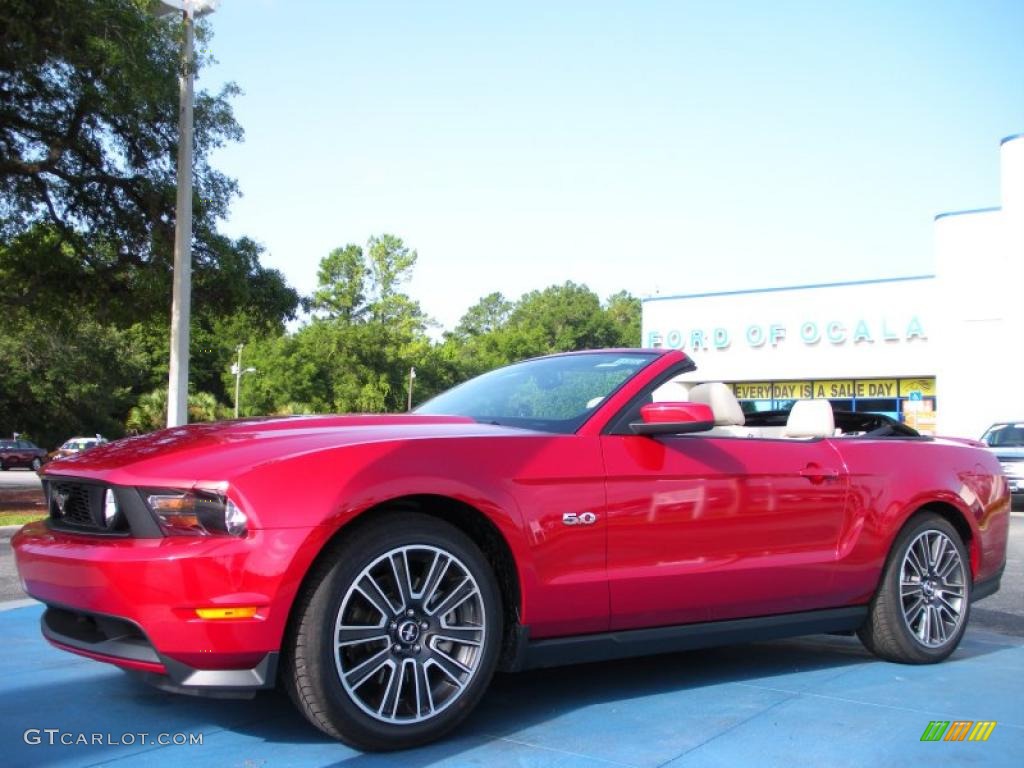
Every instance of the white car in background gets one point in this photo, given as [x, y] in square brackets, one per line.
[77, 445]
[1006, 440]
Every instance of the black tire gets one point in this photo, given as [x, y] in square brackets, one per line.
[888, 631]
[3, 467]
[313, 662]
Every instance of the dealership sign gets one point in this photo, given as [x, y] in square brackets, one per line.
[808, 333]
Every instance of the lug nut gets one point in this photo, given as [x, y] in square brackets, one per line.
[394, 625]
[397, 648]
[410, 612]
[415, 649]
[424, 625]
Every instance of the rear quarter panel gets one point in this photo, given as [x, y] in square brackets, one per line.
[891, 479]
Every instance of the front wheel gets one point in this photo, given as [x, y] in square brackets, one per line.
[36, 464]
[920, 612]
[396, 634]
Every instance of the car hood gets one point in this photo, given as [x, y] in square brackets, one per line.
[219, 448]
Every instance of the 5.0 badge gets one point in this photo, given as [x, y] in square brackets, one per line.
[579, 518]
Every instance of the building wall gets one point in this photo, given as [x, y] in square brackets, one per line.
[964, 325]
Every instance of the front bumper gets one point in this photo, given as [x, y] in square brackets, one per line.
[132, 602]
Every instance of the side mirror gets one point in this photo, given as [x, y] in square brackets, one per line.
[673, 419]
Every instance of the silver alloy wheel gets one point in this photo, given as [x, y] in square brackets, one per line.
[409, 634]
[933, 586]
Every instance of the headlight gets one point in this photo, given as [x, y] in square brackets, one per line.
[109, 508]
[196, 513]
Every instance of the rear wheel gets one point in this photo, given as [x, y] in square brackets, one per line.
[920, 612]
[36, 464]
[396, 634]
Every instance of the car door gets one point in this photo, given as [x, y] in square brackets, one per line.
[702, 528]
[23, 454]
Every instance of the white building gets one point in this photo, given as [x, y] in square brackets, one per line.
[943, 352]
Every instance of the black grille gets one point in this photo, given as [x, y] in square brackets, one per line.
[74, 504]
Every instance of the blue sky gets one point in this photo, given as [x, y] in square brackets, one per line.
[657, 147]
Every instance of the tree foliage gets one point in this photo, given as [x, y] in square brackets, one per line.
[88, 153]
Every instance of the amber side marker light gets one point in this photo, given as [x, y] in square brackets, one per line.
[226, 613]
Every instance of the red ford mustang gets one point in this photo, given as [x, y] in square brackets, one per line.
[570, 508]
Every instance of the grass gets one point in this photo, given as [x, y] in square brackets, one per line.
[21, 505]
[20, 518]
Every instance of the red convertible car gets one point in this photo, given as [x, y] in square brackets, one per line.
[570, 508]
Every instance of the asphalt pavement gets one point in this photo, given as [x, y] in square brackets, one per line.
[816, 701]
[820, 700]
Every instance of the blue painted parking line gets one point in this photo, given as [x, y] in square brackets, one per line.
[814, 701]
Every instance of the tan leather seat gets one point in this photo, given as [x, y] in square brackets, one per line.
[726, 409]
[811, 418]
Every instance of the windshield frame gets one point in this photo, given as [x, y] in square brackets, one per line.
[554, 426]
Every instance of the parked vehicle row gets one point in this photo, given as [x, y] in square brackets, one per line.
[26, 454]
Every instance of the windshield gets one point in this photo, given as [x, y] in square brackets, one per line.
[78, 445]
[1005, 436]
[550, 394]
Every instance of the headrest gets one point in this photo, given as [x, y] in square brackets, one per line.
[811, 418]
[723, 403]
[672, 391]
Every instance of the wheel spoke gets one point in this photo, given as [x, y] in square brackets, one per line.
[458, 596]
[948, 606]
[945, 607]
[956, 590]
[914, 561]
[950, 566]
[364, 671]
[453, 669]
[371, 590]
[462, 635]
[938, 626]
[392, 691]
[908, 588]
[424, 697]
[924, 628]
[914, 611]
[938, 551]
[400, 569]
[360, 635]
[438, 569]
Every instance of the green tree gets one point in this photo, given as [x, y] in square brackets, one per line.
[624, 311]
[150, 410]
[88, 145]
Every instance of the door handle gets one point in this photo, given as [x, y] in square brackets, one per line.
[817, 474]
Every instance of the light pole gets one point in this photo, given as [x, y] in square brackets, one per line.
[239, 372]
[181, 304]
[412, 378]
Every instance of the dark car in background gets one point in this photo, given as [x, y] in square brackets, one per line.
[1006, 440]
[21, 453]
